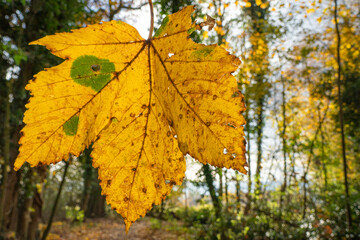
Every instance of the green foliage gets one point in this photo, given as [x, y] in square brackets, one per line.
[74, 214]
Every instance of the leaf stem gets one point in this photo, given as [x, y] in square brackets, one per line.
[152, 19]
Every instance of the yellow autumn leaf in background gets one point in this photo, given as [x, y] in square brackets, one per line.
[143, 104]
[310, 10]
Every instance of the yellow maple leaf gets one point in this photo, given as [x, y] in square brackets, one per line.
[143, 104]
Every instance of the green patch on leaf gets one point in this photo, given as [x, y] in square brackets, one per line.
[202, 53]
[162, 27]
[235, 94]
[191, 30]
[71, 126]
[90, 71]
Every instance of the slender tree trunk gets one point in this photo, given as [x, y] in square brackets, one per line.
[248, 196]
[186, 197]
[284, 186]
[214, 198]
[307, 167]
[323, 157]
[6, 151]
[341, 117]
[24, 211]
[25, 218]
[221, 185]
[37, 204]
[53, 210]
[304, 197]
[87, 177]
[259, 145]
[210, 184]
[96, 204]
[238, 191]
[226, 190]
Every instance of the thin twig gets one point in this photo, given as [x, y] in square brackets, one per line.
[152, 19]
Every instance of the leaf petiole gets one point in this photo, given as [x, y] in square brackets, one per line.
[152, 19]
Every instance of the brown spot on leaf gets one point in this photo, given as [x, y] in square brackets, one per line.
[96, 67]
[171, 123]
[184, 148]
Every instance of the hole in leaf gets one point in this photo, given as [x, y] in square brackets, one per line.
[225, 151]
[95, 67]
[171, 54]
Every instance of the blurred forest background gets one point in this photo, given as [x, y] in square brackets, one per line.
[300, 76]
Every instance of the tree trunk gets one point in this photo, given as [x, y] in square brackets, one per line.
[221, 185]
[238, 192]
[53, 210]
[284, 186]
[24, 211]
[37, 204]
[210, 184]
[341, 117]
[248, 196]
[215, 200]
[226, 190]
[96, 204]
[323, 157]
[6, 151]
[24, 219]
[87, 177]
[259, 138]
